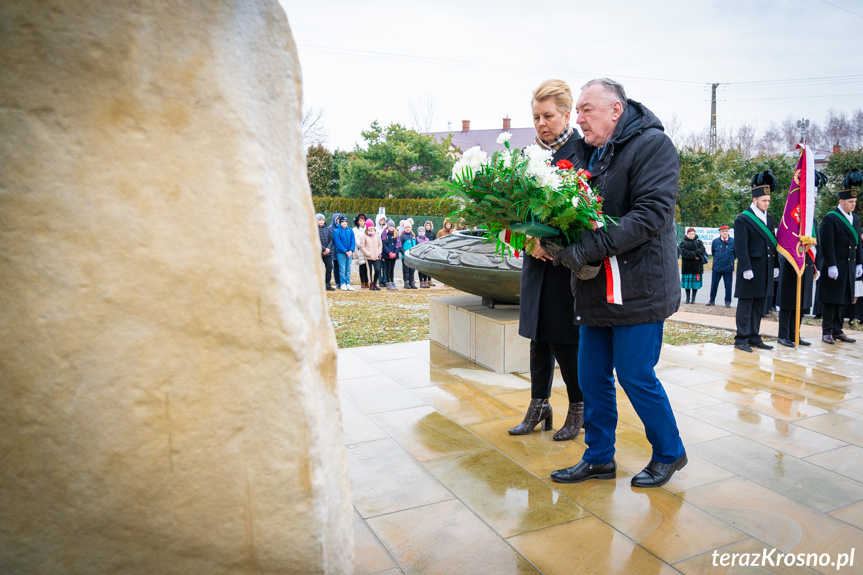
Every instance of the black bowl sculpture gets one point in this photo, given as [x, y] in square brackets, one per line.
[467, 262]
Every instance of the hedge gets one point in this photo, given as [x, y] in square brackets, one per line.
[432, 207]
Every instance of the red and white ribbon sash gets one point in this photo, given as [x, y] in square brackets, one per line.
[612, 276]
[612, 280]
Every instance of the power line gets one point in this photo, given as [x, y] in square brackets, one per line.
[493, 64]
[841, 8]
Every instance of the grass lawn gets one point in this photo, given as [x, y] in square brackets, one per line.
[364, 317]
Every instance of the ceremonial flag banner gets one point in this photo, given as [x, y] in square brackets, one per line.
[795, 235]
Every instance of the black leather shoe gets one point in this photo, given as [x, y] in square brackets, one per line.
[786, 342]
[584, 470]
[762, 345]
[728, 304]
[843, 337]
[330, 288]
[828, 339]
[743, 347]
[804, 342]
[710, 303]
[656, 473]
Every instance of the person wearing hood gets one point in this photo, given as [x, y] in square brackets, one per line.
[371, 246]
[621, 310]
[334, 226]
[446, 229]
[325, 233]
[692, 256]
[422, 237]
[359, 231]
[345, 246]
[430, 236]
[381, 229]
[390, 252]
[406, 241]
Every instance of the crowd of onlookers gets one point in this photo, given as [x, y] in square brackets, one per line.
[375, 247]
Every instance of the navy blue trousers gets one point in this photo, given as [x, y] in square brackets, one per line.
[633, 351]
[714, 285]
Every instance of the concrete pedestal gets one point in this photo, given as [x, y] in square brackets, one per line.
[486, 336]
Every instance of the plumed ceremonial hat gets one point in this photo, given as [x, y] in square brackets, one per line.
[763, 183]
[820, 180]
[853, 180]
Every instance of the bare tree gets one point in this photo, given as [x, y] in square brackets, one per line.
[314, 131]
[856, 130]
[422, 115]
[838, 127]
[770, 142]
[745, 140]
[673, 129]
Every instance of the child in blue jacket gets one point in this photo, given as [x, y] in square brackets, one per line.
[406, 241]
[345, 246]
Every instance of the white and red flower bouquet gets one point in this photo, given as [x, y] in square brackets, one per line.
[517, 194]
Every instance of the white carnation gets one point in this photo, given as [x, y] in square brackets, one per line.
[534, 152]
[474, 159]
[505, 157]
[504, 137]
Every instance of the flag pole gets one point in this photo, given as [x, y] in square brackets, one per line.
[797, 318]
[803, 126]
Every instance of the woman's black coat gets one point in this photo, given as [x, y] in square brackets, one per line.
[691, 256]
[547, 305]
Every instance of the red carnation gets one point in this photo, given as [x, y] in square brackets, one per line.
[564, 164]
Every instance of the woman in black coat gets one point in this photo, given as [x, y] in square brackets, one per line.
[692, 255]
[546, 301]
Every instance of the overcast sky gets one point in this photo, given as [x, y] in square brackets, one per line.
[481, 60]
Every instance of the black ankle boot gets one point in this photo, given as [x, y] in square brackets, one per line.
[537, 411]
[574, 421]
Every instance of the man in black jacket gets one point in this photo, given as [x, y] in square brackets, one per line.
[839, 243]
[757, 264]
[621, 311]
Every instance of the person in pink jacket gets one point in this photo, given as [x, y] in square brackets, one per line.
[371, 248]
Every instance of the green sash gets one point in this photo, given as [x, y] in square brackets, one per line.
[847, 223]
[761, 227]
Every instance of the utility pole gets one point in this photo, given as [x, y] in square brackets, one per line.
[712, 142]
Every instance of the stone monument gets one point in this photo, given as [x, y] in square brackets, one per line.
[167, 376]
[469, 262]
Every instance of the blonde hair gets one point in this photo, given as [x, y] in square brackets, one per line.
[557, 89]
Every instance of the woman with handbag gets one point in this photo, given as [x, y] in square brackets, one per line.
[692, 255]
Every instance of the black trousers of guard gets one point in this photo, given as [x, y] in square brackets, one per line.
[749, 312]
[832, 320]
[786, 321]
[542, 356]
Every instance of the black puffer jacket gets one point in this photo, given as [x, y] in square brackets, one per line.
[637, 177]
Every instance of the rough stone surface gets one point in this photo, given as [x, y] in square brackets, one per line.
[167, 366]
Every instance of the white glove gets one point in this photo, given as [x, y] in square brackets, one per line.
[816, 275]
[833, 272]
[748, 275]
[775, 273]
[859, 271]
